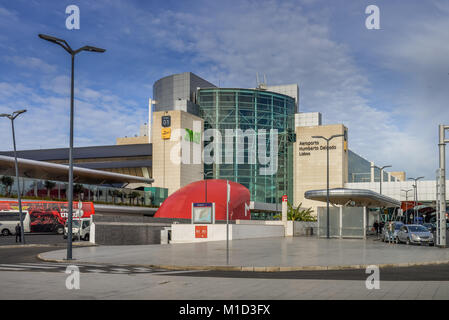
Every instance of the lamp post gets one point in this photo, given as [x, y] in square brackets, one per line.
[11, 117]
[327, 186]
[441, 199]
[406, 200]
[72, 52]
[205, 182]
[416, 192]
[381, 175]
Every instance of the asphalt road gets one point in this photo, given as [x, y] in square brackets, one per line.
[23, 255]
[422, 273]
[27, 256]
[34, 238]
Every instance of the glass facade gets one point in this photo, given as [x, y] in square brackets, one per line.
[229, 110]
[359, 169]
[56, 190]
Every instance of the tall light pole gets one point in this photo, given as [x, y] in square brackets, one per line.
[406, 200]
[205, 182]
[381, 175]
[11, 117]
[72, 52]
[441, 200]
[416, 191]
[327, 187]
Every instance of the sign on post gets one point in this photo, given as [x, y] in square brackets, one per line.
[166, 133]
[203, 212]
[166, 121]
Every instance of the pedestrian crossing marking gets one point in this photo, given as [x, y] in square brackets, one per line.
[11, 269]
[27, 266]
[96, 270]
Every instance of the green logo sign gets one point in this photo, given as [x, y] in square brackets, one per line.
[193, 136]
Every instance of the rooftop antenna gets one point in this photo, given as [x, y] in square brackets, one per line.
[261, 85]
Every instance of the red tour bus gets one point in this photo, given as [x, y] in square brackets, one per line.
[49, 216]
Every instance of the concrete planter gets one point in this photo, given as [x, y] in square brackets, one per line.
[303, 228]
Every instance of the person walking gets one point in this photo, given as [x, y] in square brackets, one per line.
[18, 233]
[376, 227]
[391, 232]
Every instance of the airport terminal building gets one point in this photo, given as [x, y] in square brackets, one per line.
[187, 108]
[257, 137]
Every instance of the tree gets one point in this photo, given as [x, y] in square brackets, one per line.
[49, 185]
[133, 195]
[7, 181]
[297, 214]
[77, 189]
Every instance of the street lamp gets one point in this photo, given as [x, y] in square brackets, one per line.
[205, 182]
[381, 175]
[327, 187]
[72, 52]
[11, 117]
[416, 192]
[406, 200]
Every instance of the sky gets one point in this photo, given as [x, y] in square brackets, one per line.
[390, 86]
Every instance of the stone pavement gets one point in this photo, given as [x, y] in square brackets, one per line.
[42, 285]
[267, 254]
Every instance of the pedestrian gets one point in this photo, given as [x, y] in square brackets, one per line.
[381, 226]
[391, 232]
[18, 233]
[376, 227]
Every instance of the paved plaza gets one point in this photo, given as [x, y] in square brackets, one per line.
[268, 254]
[172, 286]
[119, 272]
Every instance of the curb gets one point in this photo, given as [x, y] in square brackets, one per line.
[265, 268]
[56, 245]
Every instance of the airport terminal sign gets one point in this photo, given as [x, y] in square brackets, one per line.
[307, 147]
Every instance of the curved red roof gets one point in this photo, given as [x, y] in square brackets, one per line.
[179, 204]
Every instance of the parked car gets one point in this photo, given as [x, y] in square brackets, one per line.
[415, 234]
[432, 227]
[386, 233]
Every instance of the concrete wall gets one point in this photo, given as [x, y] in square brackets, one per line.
[310, 162]
[293, 228]
[166, 172]
[132, 140]
[114, 233]
[217, 232]
[108, 229]
[299, 228]
[426, 189]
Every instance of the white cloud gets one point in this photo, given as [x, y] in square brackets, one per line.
[278, 39]
[31, 63]
[290, 42]
[100, 117]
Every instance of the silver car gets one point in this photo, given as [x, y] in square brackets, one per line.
[415, 234]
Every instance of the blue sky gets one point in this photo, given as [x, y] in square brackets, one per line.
[390, 87]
